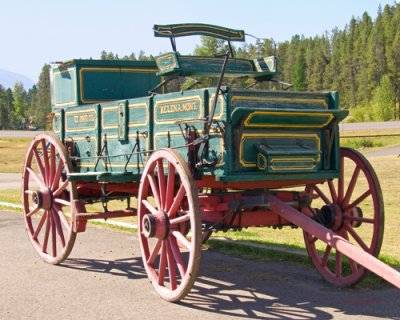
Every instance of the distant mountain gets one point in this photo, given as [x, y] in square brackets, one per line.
[8, 79]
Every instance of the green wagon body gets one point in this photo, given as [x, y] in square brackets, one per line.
[256, 135]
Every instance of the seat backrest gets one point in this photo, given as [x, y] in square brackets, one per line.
[189, 29]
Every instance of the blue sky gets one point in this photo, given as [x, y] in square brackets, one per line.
[37, 32]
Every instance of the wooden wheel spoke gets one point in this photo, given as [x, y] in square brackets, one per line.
[178, 256]
[313, 239]
[161, 182]
[181, 238]
[326, 255]
[34, 175]
[351, 186]
[62, 216]
[32, 212]
[39, 161]
[332, 190]
[171, 266]
[163, 264]
[62, 202]
[154, 252]
[149, 207]
[356, 237]
[52, 164]
[177, 201]
[339, 264]
[321, 194]
[154, 190]
[359, 219]
[180, 219]
[42, 220]
[341, 181]
[47, 231]
[46, 161]
[53, 234]
[61, 188]
[352, 263]
[56, 180]
[170, 187]
[60, 231]
[356, 202]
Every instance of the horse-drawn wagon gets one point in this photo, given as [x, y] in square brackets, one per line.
[198, 161]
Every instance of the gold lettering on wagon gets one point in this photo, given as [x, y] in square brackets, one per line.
[85, 117]
[179, 107]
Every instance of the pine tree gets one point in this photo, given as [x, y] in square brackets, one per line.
[299, 72]
[41, 103]
[20, 105]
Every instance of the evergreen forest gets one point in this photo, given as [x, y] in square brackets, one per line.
[362, 62]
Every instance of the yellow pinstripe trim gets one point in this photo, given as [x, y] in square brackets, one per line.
[291, 160]
[104, 110]
[139, 106]
[273, 135]
[165, 57]
[221, 106]
[283, 100]
[69, 114]
[248, 124]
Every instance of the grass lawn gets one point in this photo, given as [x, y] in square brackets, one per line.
[12, 154]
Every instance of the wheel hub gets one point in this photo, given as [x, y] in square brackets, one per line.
[331, 216]
[43, 198]
[156, 225]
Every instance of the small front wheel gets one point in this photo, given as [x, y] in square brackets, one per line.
[169, 224]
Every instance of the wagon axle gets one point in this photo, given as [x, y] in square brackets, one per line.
[333, 216]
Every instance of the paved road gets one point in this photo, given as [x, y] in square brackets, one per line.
[10, 180]
[104, 279]
[389, 125]
[18, 133]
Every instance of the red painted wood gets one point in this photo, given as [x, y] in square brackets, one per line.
[335, 241]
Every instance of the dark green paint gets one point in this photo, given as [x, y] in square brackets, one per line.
[189, 29]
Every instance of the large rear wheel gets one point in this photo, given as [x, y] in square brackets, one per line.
[351, 206]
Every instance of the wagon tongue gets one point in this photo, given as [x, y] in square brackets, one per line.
[334, 240]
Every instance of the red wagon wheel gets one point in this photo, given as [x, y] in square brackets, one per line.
[48, 199]
[352, 206]
[169, 224]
